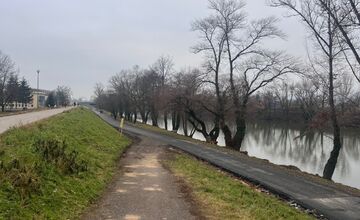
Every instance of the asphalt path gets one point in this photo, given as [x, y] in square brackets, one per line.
[327, 199]
[8, 122]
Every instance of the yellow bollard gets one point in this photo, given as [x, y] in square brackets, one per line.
[121, 125]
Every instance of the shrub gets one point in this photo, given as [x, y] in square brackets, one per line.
[54, 151]
[23, 179]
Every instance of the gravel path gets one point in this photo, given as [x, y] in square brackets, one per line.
[7, 122]
[142, 189]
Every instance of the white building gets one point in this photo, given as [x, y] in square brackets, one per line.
[39, 97]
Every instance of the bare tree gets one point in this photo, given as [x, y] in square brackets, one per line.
[183, 86]
[113, 103]
[193, 101]
[99, 92]
[307, 97]
[284, 93]
[250, 67]
[164, 68]
[6, 69]
[63, 95]
[122, 84]
[343, 90]
[345, 16]
[325, 34]
[268, 101]
[212, 45]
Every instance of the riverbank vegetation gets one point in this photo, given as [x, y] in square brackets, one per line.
[243, 78]
[55, 168]
[220, 196]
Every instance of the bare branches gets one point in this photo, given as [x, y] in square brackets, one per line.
[163, 66]
[7, 68]
[340, 13]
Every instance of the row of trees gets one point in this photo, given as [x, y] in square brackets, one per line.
[241, 75]
[12, 89]
[306, 101]
[60, 97]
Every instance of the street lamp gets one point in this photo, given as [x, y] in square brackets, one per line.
[38, 93]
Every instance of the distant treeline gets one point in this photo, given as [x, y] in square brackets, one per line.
[59, 97]
[13, 91]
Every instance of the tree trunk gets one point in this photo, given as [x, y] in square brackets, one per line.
[114, 114]
[184, 122]
[165, 120]
[175, 121]
[227, 134]
[214, 133]
[331, 163]
[146, 116]
[178, 119]
[154, 121]
[154, 118]
[240, 129]
[143, 116]
[135, 117]
[173, 115]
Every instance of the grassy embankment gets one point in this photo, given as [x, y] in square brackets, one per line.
[53, 169]
[221, 196]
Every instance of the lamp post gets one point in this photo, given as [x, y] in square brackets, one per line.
[37, 103]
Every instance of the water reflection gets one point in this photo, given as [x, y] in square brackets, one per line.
[287, 144]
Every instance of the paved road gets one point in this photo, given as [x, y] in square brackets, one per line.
[7, 122]
[332, 202]
[142, 189]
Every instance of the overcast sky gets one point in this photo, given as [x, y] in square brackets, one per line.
[80, 42]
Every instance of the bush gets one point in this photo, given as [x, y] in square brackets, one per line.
[54, 151]
[23, 179]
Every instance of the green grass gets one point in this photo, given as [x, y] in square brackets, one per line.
[221, 196]
[58, 195]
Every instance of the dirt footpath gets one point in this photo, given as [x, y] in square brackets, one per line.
[143, 189]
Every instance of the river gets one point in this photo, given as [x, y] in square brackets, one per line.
[285, 144]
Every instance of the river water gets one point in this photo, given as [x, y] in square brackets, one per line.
[285, 144]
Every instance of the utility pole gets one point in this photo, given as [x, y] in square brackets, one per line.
[38, 93]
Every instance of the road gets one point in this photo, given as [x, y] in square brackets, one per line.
[327, 199]
[7, 122]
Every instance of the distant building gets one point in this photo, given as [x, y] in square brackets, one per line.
[38, 96]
